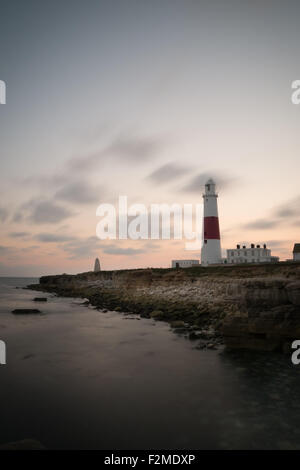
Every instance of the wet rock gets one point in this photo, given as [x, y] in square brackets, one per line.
[293, 292]
[193, 336]
[177, 324]
[180, 331]
[157, 314]
[25, 311]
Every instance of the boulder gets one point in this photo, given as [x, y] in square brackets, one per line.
[156, 314]
[177, 324]
[25, 311]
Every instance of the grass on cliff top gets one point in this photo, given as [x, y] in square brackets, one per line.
[222, 271]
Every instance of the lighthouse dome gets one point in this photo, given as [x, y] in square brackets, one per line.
[210, 187]
[210, 181]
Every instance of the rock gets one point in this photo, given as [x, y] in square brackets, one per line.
[25, 311]
[177, 324]
[252, 307]
[158, 314]
[144, 315]
[193, 336]
[40, 299]
[293, 291]
[180, 331]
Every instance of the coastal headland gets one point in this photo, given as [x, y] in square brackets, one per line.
[246, 307]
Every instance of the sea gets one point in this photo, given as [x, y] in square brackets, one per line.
[79, 378]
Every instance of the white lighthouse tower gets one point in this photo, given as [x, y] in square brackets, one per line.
[211, 247]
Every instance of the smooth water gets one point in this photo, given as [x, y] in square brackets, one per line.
[78, 378]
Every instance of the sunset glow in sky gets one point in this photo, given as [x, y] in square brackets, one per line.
[145, 99]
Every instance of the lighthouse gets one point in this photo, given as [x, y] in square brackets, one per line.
[211, 247]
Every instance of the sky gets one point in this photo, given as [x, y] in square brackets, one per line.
[146, 99]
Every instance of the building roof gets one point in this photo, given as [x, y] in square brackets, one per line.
[296, 248]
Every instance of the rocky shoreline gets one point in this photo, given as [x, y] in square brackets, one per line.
[245, 307]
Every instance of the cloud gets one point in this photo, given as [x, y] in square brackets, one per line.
[24, 270]
[5, 249]
[167, 172]
[48, 212]
[128, 149]
[276, 243]
[53, 238]
[19, 234]
[261, 224]
[18, 217]
[82, 247]
[197, 183]
[80, 193]
[47, 181]
[290, 209]
[90, 247]
[3, 214]
[134, 148]
[117, 250]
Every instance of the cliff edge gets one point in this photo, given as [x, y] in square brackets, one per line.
[247, 307]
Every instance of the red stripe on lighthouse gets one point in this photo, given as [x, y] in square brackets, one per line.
[211, 228]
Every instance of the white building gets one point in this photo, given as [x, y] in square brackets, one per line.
[211, 245]
[184, 263]
[296, 252]
[254, 254]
